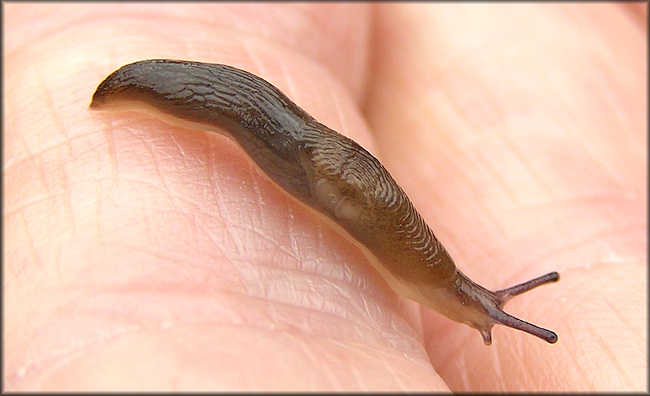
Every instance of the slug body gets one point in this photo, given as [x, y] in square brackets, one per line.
[322, 169]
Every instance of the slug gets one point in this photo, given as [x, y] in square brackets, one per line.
[322, 169]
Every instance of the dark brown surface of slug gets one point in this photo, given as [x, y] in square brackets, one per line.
[325, 170]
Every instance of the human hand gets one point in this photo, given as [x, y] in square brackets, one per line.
[143, 256]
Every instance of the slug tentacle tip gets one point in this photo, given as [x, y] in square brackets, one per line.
[506, 294]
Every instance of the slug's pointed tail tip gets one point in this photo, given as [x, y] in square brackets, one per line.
[96, 101]
[100, 96]
[115, 87]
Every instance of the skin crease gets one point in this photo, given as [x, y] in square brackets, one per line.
[125, 239]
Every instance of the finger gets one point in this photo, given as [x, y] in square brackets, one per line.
[518, 131]
[160, 251]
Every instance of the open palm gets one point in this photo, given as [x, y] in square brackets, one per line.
[139, 255]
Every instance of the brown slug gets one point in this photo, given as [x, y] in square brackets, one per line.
[322, 169]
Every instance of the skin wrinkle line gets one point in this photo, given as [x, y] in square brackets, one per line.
[304, 273]
[393, 373]
[590, 149]
[68, 352]
[340, 292]
[621, 318]
[579, 243]
[112, 152]
[99, 194]
[54, 116]
[156, 168]
[620, 114]
[358, 352]
[288, 80]
[329, 375]
[31, 154]
[587, 199]
[279, 303]
[330, 313]
[583, 373]
[40, 170]
[611, 356]
[180, 148]
[259, 199]
[613, 176]
[263, 206]
[500, 180]
[217, 193]
[264, 237]
[67, 201]
[505, 186]
[259, 65]
[291, 233]
[459, 152]
[465, 374]
[420, 361]
[329, 173]
[537, 175]
[229, 233]
[30, 240]
[338, 111]
[497, 364]
[496, 108]
[28, 203]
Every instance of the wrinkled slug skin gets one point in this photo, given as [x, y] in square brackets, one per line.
[322, 169]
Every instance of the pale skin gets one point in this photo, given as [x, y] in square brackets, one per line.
[140, 255]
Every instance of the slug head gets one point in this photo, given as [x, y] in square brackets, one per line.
[484, 308]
